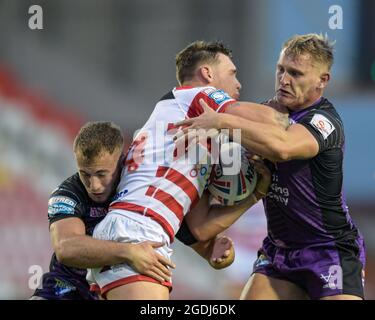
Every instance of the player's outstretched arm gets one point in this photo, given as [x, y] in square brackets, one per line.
[272, 114]
[270, 141]
[207, 223]
[75, 249]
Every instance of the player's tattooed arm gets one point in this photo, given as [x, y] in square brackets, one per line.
[282, 119]
[270, 141]
[270, 113]
[265, 115]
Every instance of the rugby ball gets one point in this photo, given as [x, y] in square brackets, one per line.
[232, 181]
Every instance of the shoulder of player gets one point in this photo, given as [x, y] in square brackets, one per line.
[325, 110]
[325, 124]
[215, 94]
[184, 93]
[190, 91]
[69, 199]
[215, 98]
[331, 111]
[168, 96]
[71, 188]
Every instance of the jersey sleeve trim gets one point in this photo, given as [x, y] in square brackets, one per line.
[217, 100]
[62, 217]
[315, 134]
[223, 107]
[63, 204]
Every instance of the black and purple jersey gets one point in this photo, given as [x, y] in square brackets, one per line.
[312, 240]
[70, 199]
[305, 204]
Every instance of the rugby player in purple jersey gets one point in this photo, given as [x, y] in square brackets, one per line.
[81, 202]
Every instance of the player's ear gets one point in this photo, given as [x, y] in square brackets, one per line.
[206, 73]
[324, 78]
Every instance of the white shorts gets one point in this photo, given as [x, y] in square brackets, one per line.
[118, 226]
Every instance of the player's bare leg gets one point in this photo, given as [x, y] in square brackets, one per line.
[342, 297]
[261, 287]
[140, 290]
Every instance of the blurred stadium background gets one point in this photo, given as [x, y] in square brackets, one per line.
[112, 60]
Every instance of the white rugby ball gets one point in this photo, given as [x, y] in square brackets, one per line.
[234, 177]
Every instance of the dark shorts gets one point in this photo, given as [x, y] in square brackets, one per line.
[321, 270]
[58, 287]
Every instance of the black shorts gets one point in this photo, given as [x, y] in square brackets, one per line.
[60, 287]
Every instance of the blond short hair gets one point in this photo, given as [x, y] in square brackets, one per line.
[97, 137]
[318, 46]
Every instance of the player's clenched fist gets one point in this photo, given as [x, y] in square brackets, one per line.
[222, 253]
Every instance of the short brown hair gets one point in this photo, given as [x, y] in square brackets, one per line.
[316, 45]
[95, 137]
[188, 59]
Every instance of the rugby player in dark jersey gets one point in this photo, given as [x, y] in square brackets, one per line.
[81, 202]
[313, 249]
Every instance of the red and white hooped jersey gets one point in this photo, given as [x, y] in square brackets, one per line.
[154, 183]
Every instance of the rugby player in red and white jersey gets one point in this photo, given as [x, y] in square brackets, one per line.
[156, 189]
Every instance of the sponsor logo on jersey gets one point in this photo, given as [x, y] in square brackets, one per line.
[120, 195]
[219, 96]
[62, 287]
[323, 125]
[61, 205]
